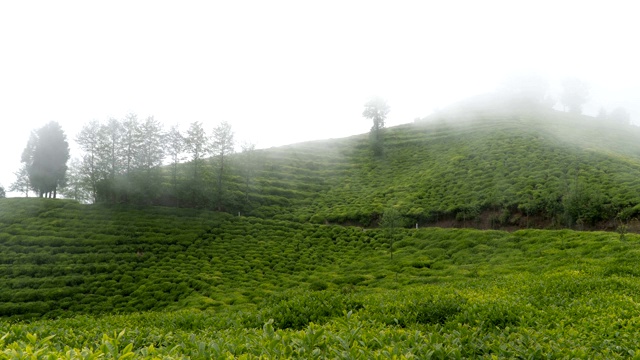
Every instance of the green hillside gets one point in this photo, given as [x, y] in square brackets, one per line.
[296, 265]
[222, 286]
[483, 163]
[473, 165]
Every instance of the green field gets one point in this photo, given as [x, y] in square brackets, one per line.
[150, 282]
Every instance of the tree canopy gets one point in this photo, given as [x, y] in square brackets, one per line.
[376, 109]
[22, 183]
[45, 157]
[222, 146]
[620, 115]
[528, 88]
[121, 160]
[575, 94]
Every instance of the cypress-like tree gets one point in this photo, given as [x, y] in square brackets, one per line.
[46, 157]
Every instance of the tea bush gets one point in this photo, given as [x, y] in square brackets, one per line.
[175, 283]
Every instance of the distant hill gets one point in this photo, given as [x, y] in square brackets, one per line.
[482, 163]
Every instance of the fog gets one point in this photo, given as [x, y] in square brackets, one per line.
[282, 72]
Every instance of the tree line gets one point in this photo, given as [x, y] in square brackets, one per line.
[123, 161]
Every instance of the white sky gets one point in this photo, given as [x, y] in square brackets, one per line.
[288, 71]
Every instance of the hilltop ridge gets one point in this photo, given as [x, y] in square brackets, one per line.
[475, 164]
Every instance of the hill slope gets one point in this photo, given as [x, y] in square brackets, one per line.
[473, 165]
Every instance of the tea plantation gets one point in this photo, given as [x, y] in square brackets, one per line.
[91, 281]
[480, 166]
[297, 266]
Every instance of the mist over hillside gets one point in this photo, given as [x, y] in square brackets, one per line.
[490, 162]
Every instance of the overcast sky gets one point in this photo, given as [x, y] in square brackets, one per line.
[288, 71]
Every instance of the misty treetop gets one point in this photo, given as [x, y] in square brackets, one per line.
[575, 94]
[528, 89]
[377, 110]
[122, 162]
[121, 159]
[22, 184]
[222, 145]
[45, 158]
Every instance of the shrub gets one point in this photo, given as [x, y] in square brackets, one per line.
[318, 285]
[439, 310]
[350, 280]
[295, 311]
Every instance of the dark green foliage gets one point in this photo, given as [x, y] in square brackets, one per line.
[296, 311]
[439, 310]
[350, 280]
[391, 221]
[585, 206]
[318, 285]
[45, 159]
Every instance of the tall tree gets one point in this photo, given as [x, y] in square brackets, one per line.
[376, 109]
[196, 147]
[76, 187]
[110, 149]
[175, 146]
[528, 88]
[130, 142]
[221, 147]
[3, 194]
[46, 157]
[149, 155]
[89, 140]
[620, 115]
[247, 167]
[602, 114]
[575, 93]
[22, 183]
[150, 150]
